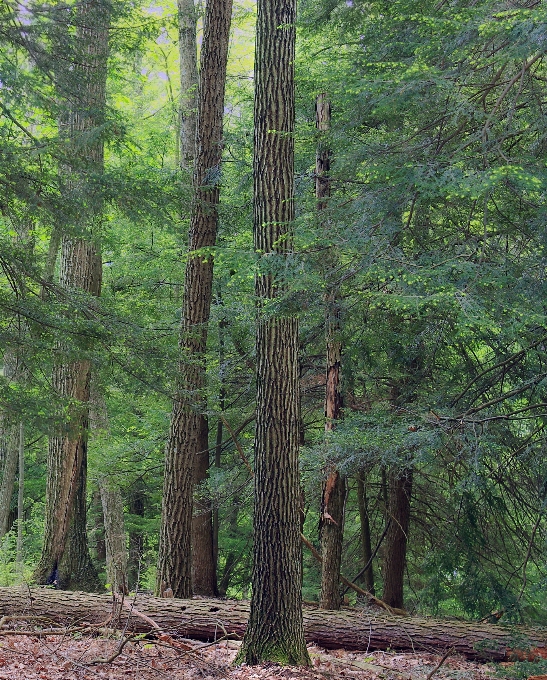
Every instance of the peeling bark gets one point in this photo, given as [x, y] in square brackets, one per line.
[116, 551]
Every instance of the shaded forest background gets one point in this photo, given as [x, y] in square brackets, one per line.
[432, 242]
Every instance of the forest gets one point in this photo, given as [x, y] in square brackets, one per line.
[272, 293]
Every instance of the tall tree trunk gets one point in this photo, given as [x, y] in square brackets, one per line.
[65, 561]
[366, 545]
[333, 499]
[21, 500]
[400, 493]
[188, 82]
[137, 500]
[116, 551]
[188, 436]
[11, 433]
[218, 441]
[275, 630]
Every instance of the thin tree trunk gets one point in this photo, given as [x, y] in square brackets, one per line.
[66, 562]
[98, 528]
[366, 544]
[10, 430]
[187, 447]
[21, 499]
[275, 630]
[116, 550]
[137, 499]
[233, 557]
[400, 493]
[333, 499]
[218, 442]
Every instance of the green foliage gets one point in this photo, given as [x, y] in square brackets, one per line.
[433, 240]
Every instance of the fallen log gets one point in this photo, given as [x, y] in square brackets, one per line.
[208, 619]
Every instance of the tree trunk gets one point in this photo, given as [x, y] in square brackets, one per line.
[350, 629]
[80, 274]
[275, 631]
[218, 440]
[204, 575]
[98, 528]
[188, 438]
[21, 500]
[333, 499]
[362, 502]
[11, 456]
[332, 533]
[10, 432]
[116, 551]
[275, 624]
[400, 492]
[188, 81]
[137, 499]
[76, 570]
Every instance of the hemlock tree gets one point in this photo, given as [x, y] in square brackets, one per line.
[65, 558]
[188, 82]
[204, 578]
[333, 499]
[275, 630]
[187, 452]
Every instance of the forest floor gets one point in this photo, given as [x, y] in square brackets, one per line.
[68, 657]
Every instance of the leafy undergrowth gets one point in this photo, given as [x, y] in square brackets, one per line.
[65, 657]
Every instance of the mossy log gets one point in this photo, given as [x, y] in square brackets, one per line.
[350, 629]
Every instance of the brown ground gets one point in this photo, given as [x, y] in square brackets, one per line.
[67, 657]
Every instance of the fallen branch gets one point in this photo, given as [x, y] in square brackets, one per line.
[444, 658]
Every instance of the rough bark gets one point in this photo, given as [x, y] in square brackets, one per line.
[116, 551]
[351, 629]
[76, 569]
[188, 438]
[400, 492]
[275, 625]
[332, 533]
[188, 81]
[80, 276]
[275, 631]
